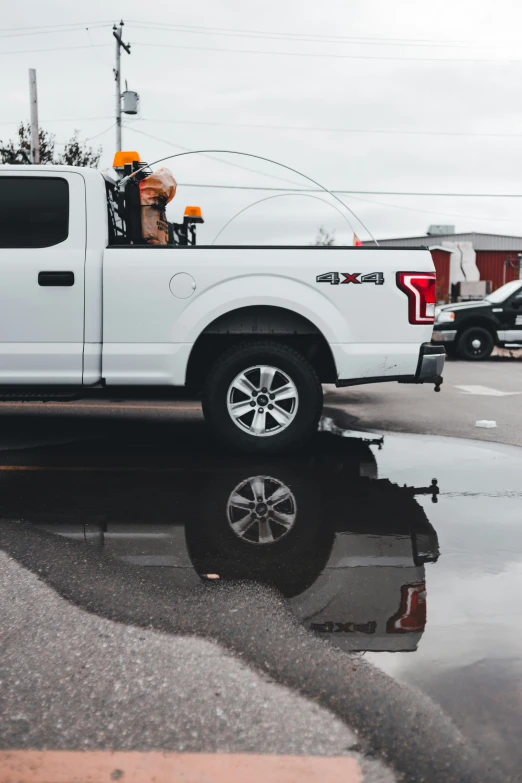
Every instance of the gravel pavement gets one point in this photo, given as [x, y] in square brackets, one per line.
[392, 722]
[72, 659]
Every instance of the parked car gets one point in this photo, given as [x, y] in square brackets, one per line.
[471, 330]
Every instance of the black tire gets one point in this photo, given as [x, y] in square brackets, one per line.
[475, 344]
[289, 362]
[292, 561]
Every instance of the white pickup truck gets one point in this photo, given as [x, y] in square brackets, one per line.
[86, 307]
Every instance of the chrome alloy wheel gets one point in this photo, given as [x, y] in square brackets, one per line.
[261, 510]
[262, 401]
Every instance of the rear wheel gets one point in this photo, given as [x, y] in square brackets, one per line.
[262, 397]
[264, 523]
[475, 344]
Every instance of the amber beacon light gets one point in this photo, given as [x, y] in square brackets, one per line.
[123, 157]
[193, 215]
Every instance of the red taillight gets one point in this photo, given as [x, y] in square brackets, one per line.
[419, 287]
[412, 611]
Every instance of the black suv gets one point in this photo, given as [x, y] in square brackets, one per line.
[471, 330]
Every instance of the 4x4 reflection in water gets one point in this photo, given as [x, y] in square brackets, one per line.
[347, 549]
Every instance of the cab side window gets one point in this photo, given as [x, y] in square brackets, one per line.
[34, 211]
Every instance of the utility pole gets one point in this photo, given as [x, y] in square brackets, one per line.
[33, 105]
[117, 77]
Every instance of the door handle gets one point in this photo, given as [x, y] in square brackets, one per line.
[56, 278]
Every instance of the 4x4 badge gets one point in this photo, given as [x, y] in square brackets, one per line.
[336, 627]
[334, 278]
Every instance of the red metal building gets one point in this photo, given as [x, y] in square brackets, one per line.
[497, 256]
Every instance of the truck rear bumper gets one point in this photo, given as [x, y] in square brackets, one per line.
[430, 365]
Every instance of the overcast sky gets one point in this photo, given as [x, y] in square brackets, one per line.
[367, 65]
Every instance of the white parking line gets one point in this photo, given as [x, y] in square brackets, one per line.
[485, 391]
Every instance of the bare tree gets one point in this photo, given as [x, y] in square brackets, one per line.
[325, 238]
[75, 153]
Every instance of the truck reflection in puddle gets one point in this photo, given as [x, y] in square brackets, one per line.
[347, 549]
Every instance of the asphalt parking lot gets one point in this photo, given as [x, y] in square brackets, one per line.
[125, 632]
[489, 390]
[472, 391]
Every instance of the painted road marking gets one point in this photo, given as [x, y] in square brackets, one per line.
[107, 469]
[485, 391]
[98, 766]
[88, 469]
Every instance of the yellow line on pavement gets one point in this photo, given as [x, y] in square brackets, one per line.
[86, 468]
[98, 407]
[99, 766]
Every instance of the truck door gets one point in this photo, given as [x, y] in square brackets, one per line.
[512, 317]
[42, 258]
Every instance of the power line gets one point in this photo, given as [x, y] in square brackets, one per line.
[436, 195]
[355, 194]
[61, 119]
[352, 192]
[285, 34]
[432, 212]
[277, 35]
[310, 38]
[280, 54]
[211, 157]
[89, 138]
[106, 64]
[328, 55]
[304, 128]
[53, 49]
[47, 26]
[101, 133]
[55, 31]
[310, 128]
[299, 36]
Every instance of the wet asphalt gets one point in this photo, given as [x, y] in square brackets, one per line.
[330, 650]
[471, 392]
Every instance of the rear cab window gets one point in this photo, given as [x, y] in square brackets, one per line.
[34, 211]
